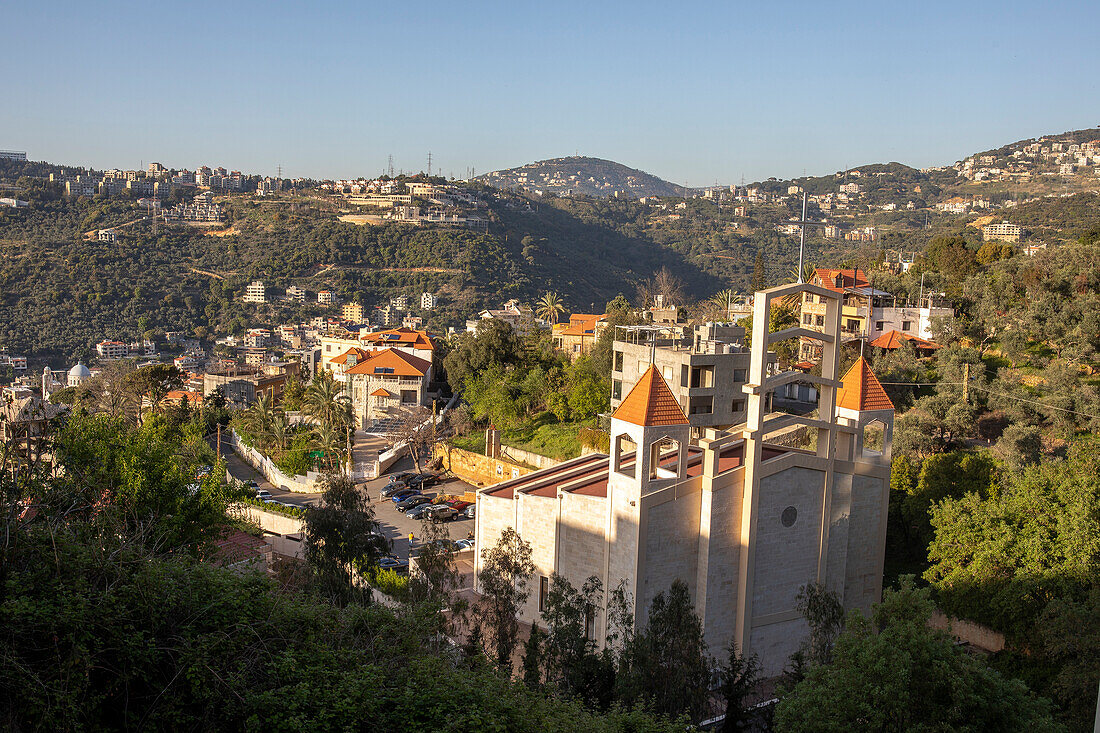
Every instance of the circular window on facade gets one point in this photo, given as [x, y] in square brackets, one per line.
[788, 517]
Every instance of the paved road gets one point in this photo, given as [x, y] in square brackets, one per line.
[393, 523]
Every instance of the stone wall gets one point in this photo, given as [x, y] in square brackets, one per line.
[972, 633]
[308, 484]
[518, 455]
[477, 469]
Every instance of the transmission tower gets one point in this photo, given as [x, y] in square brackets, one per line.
[429, 164]
[390, 166]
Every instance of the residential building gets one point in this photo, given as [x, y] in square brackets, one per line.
[866, 312]
[893, 340]
[352, 312]
[242, 385]
[427, 301]
[296, 294]
[401, 302]
[744, 521]
[326, 297]
[411, 341]
[520, 317]
[705, 369]
[107, 235]
[111, 350]
[579, 336]
[1003, 232]
[386, 382]
[12, 155]
[1033, 249]
[255, 292]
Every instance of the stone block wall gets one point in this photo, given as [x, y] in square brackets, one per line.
[477, 469]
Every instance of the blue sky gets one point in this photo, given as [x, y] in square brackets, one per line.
[692, 92]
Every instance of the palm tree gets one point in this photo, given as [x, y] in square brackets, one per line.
[326, 403]
[331, 441]
[260, 416]
[549, 307]
[722, 302]
[279, 430]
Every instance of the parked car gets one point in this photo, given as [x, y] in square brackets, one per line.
[405, 493]
[428, 479]
[392, 488]
[401, 476]
[263, 494]
[418, 512]
[471, 511]
[465, 544]
[251, 484]
[441, 513]
[459, 506]
[413, 501]
[393, 563]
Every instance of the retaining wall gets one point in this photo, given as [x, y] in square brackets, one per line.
[477, 469]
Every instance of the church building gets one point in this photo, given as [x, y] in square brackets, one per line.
[743, 518]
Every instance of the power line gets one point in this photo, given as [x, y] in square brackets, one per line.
[989, 391]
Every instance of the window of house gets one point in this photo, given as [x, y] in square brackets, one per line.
[666, 372]
[408, 396]
[738, 406]
[808, 319]
[616, 389]
[701, 405]
[618, 361]
[809, 297]
[739, 375]
[852, 324]
[622, 445]
[500, 470]
[906, 325]
[821, 320]
[879, 325]
[643, 364]
[576, 348]
[685, 375]
[544, 591]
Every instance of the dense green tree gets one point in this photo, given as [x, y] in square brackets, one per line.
[666, 664]
[894, 672]
[505, 571]
[342, 540]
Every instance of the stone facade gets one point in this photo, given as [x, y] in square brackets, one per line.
[743, 522]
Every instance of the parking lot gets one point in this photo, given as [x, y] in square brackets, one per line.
[394, 524]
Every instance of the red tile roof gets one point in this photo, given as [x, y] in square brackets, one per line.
[399, 337]
[895, 339]
[583, 324]
[360, 355]
[861, 390]
[651, 402]
[838, 280]
[391, 362]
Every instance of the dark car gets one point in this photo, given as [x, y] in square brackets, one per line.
[401, 476]
[418, 512]
[458, 505]
[427, 479]
[402, 494]
[392, 488]
[393, 563]
[413, 501]
[441, 513]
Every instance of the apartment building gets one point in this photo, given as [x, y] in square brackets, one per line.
[705, 369]
[579, 336]
[1003, 232]
[296, 294]
[427, 301]
[255, 292]
[326, 297]
[111, 350]
[352, 312]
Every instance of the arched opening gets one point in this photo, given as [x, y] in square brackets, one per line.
[663, 458]
[622, 447]
[874, 438]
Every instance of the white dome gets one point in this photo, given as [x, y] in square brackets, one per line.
[80, 371]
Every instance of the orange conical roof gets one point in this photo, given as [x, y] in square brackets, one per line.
[861, 390]
[651, 402]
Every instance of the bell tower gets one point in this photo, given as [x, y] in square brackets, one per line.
[649, 440]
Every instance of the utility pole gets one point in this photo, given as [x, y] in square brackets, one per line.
[802, 236]
[966, 383]
[219, 442]
[434, 405]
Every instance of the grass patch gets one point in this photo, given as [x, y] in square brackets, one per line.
[543, 435]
